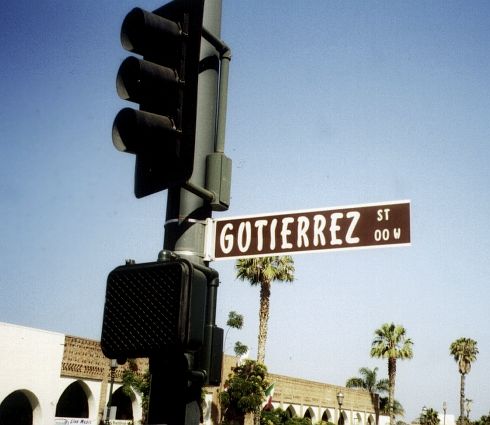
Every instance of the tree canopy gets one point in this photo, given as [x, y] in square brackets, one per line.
[368, 380]
[430, 417]
[464, 351]
[244, 391]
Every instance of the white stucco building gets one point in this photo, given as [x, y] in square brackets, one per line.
[38, 387]
[48, 378]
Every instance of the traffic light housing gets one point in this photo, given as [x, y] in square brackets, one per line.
[151, 308]
[164, 83]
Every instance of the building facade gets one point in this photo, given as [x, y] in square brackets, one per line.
[318, 401]
[50, 378]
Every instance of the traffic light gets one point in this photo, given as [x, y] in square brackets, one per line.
[154, 307]
[164, 83]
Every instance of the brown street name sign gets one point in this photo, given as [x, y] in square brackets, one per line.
[356, 226]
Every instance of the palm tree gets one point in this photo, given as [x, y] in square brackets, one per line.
[390, 342]
[384, 405]
[235, 321]
[368, 380]
[263, 271]
[430, 417]
[464, 351]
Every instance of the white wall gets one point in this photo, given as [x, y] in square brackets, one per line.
[383, 420]
[30, 360]
[448, 420]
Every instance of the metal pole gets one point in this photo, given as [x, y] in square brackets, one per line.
[340, 400]
[109, 402]
[175, 399]
[186, 212]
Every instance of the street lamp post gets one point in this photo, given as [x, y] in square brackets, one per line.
[340, 400]
[109, 402]
[444, 408]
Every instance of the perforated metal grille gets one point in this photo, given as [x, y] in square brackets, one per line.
[142, 309]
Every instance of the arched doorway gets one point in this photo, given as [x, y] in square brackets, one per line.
[16, 409]
[357, 418]
[290, 412]
[73, 402]
[309, 414]
[123, 403]
[327, 416]
[343, 420]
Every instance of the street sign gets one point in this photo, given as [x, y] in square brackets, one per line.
[337, 228]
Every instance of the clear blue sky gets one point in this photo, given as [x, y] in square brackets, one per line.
[330, 103]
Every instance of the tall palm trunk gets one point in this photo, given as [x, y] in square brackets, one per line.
[391, 394]
[461, 400]
[265, 292]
